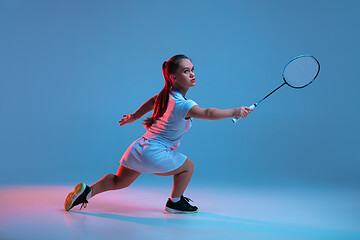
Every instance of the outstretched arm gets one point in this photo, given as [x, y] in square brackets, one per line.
[145, 108]
[217, 114]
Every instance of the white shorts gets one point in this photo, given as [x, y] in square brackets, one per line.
[149, 156]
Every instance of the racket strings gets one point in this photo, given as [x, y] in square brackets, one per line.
[301, 71]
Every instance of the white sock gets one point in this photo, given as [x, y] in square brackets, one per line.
[176, 199]
[89, 195]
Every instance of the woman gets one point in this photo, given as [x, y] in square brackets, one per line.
[155, 152]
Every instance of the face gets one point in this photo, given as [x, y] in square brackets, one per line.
[184, 76]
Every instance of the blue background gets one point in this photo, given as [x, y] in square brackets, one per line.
[70, 69]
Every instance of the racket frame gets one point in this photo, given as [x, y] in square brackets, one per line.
[304, 55]
[285, 82]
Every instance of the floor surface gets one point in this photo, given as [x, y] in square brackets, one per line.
[37, 212]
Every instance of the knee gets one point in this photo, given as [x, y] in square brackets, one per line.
[190, 165]
[111, 178]
[121, 182]
[116, 182]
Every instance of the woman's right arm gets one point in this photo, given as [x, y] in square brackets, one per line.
[145, 108]
[217, 114]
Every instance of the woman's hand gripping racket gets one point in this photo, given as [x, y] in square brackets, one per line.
[298, 73]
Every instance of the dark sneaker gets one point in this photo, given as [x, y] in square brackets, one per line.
[78, 196]
[182, 206]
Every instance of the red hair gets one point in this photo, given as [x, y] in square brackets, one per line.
[169, 67]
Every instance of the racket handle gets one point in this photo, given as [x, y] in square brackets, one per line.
[237, 119]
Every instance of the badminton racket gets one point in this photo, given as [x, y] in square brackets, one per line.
[299, 72]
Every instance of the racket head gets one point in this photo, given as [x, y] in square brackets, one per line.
[301, 71]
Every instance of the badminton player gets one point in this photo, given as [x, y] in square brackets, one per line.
[156, 151]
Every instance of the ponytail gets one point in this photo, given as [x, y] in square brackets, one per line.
[161, 102]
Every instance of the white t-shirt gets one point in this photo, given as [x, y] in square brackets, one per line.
[172, 126]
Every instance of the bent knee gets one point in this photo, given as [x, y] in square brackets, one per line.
[122, 182]
[189, 165]
[111, 178]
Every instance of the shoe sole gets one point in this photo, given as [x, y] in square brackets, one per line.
[170, 210]
[71, 197]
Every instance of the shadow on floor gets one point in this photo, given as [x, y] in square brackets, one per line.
[208, 220]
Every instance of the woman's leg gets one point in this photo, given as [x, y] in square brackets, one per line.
[182, 177]
[123, 178]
